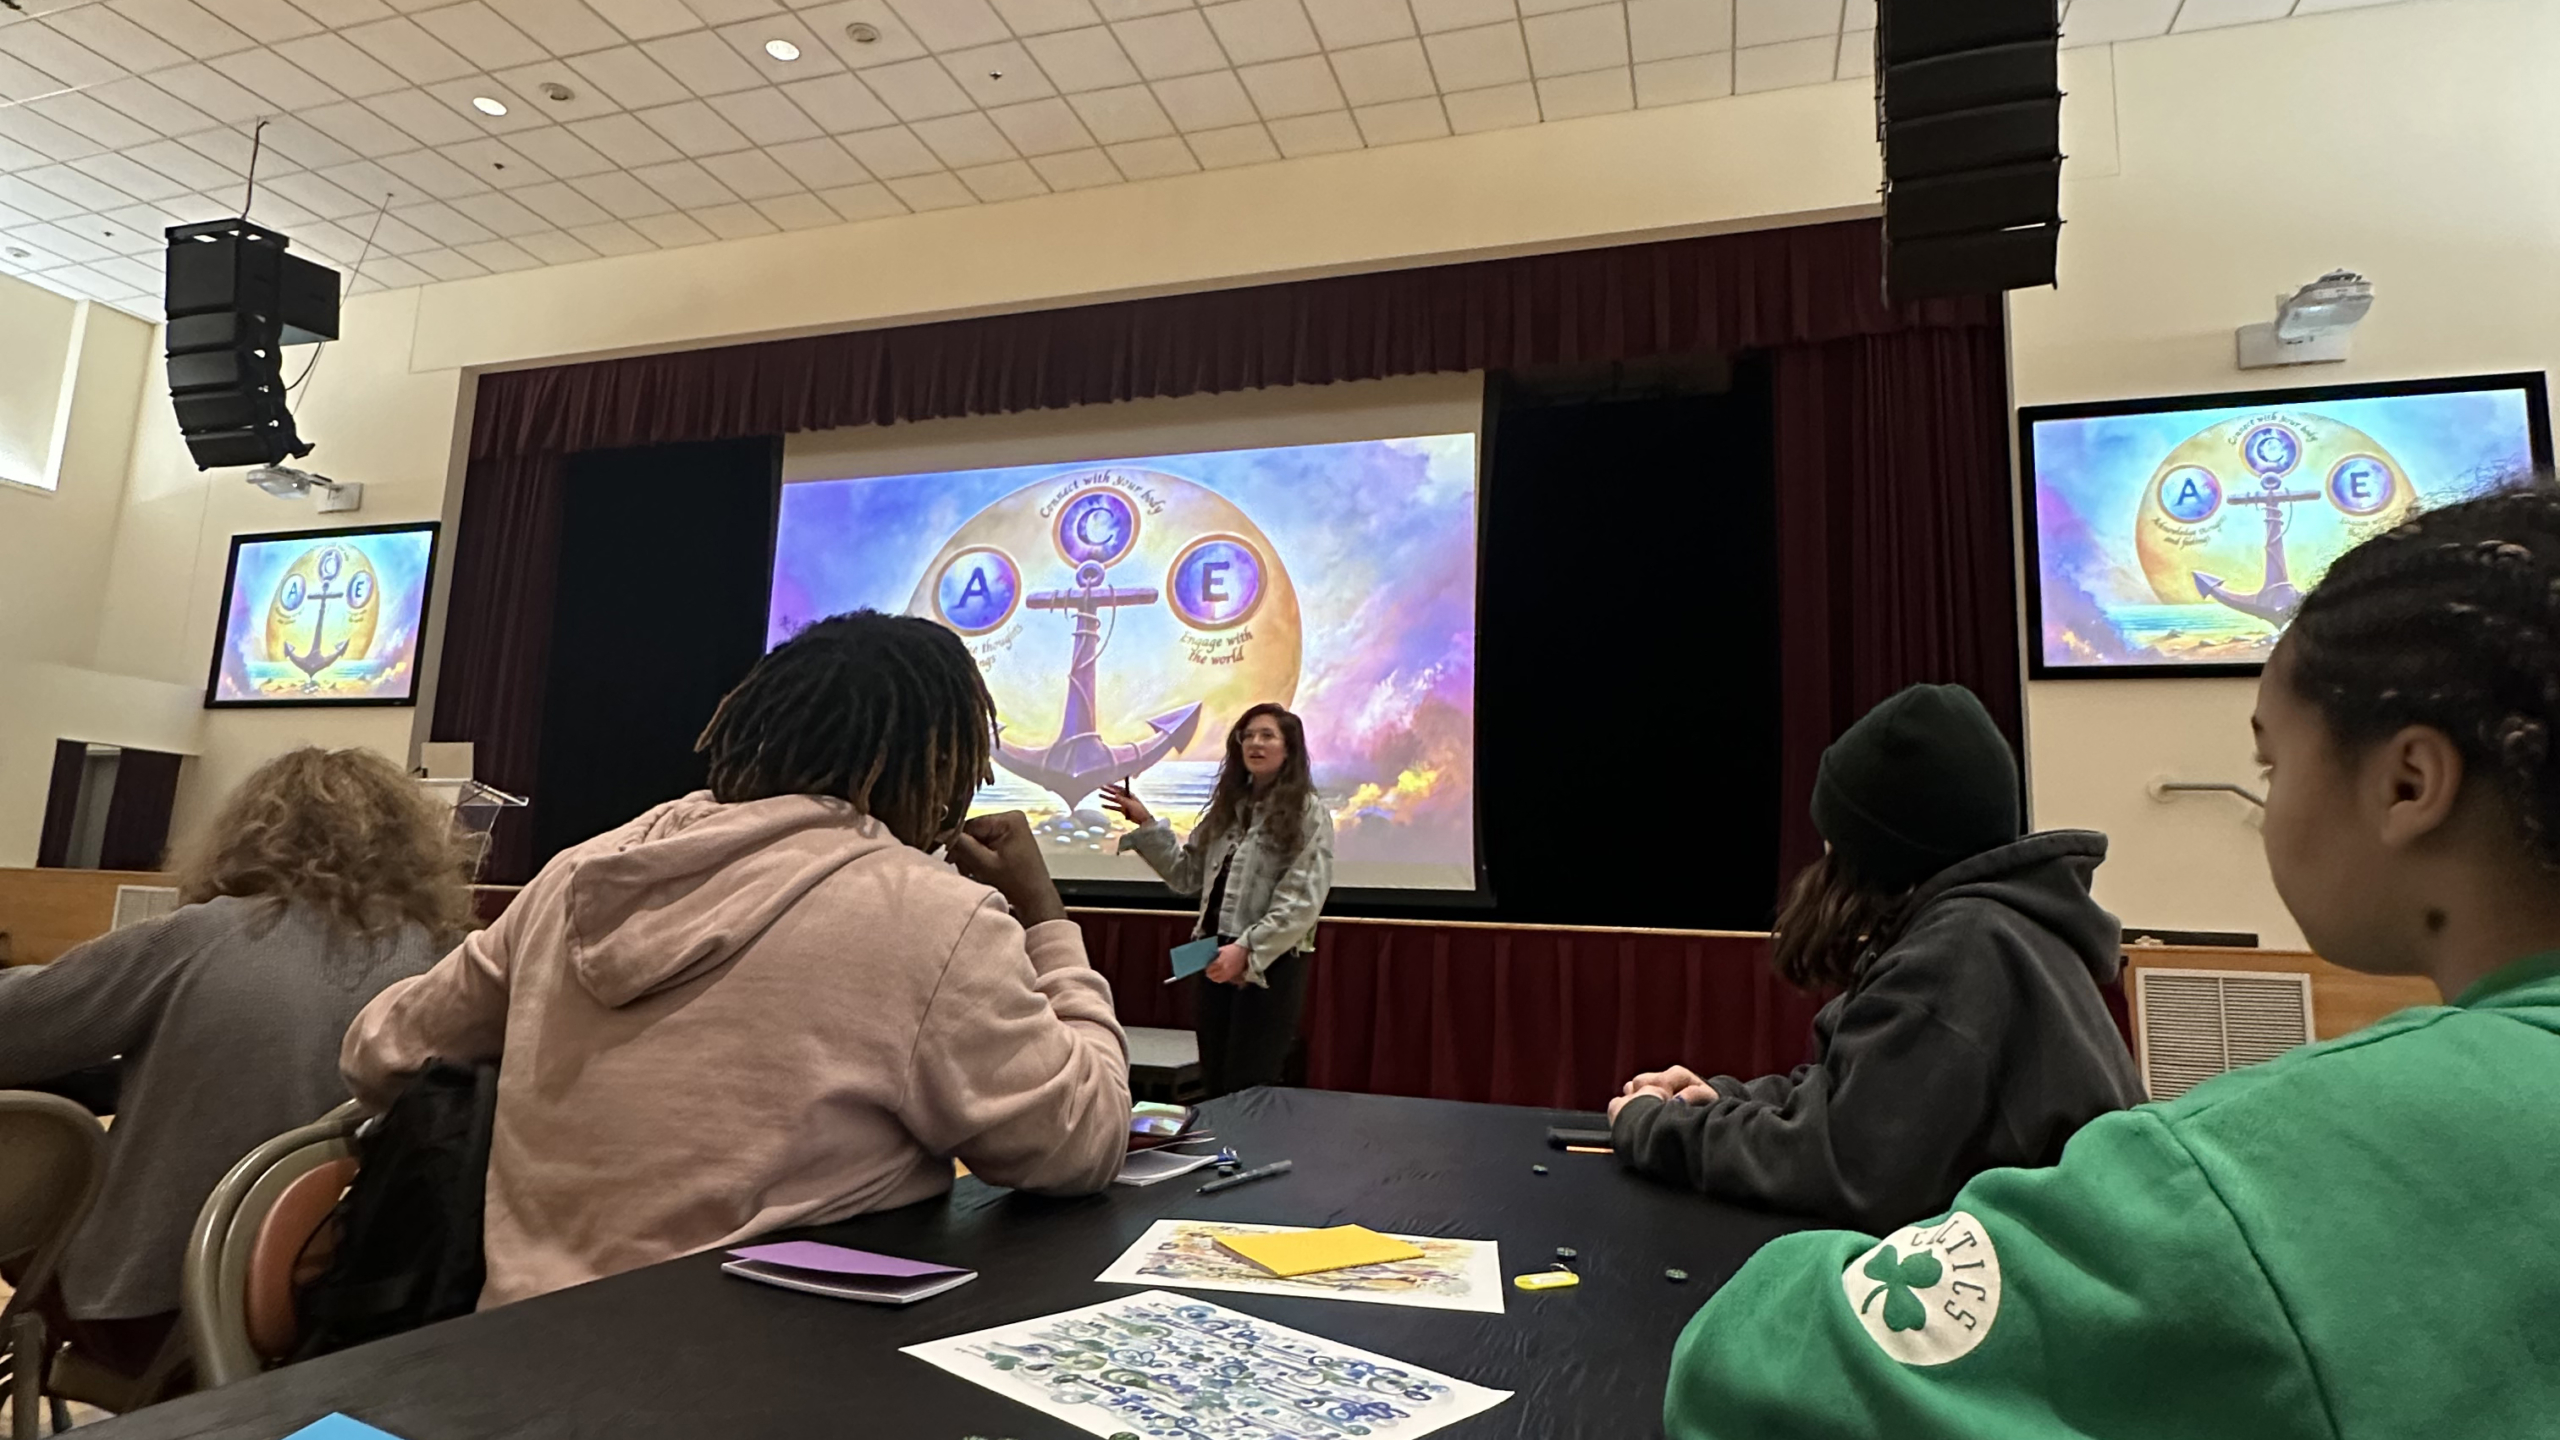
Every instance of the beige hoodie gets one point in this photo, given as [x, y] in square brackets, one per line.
[720, 1020]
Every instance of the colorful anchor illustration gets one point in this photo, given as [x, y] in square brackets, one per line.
[310, 662]
[2271, 452]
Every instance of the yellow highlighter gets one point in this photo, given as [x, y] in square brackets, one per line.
[1547, 1280]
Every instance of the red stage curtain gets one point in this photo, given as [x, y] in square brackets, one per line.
[497, 638]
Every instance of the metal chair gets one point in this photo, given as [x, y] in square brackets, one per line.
[237, 1288]
[53, 1154]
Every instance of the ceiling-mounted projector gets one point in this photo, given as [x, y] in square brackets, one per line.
[284, 482]
[2312, 325]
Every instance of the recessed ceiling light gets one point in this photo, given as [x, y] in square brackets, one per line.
[782, 50]
[487, 106]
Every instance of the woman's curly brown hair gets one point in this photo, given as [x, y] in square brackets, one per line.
[344, 832]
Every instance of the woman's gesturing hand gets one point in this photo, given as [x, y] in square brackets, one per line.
[1122, 801]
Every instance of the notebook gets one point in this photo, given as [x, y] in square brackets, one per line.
[1192, 957]
[1311, 1252]
[845, 1274]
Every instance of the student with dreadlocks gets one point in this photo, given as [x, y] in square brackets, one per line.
[766, 1004]
[2354, 1240]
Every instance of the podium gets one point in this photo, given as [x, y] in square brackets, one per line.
[475, 808]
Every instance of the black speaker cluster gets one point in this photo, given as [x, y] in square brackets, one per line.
[235, 300]
[1969, 105]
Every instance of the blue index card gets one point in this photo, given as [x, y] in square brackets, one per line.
[1191, 959]
[340, 1427]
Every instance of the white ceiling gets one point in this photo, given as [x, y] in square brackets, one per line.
[121, 117]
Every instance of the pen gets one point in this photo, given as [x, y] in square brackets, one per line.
[1262, 1172]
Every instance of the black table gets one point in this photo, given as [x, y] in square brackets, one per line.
[683, 1352]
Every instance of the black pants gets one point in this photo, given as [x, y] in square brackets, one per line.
[1245, 1031]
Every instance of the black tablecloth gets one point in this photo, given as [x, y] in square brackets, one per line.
[683, 1352]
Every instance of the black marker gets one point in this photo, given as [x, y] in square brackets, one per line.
[1264, 1172]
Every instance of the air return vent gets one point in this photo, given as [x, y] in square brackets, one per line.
[2195, 1024]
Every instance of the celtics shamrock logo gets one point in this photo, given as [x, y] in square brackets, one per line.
[1899, 1281]
[1926, 1294]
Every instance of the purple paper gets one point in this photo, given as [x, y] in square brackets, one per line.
[837, 1260]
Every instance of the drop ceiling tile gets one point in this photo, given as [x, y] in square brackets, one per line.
[2102, 22]
[1147, 159]
[502, 255]
[1400, 121]
[964, 140]
[321, 197]
[429, 118]
[1344, 24]
[1593, 92]
[1078, 170]
[146, 278]
[196, 209]
[1577, 40]
[500, 214]
[27, 259]
[1774, 67]
[563, 27]
[82, 115]
[370, 185]
[434, 174]
[15, 157]
[481, 35]
[43, 136]
[1079, 60]
[863, 202]
[283, 214]
[123, 172]
[586, 99]
[360, 130]
[1127, 114]
[1039, 17]
[798, 210]
[554, 247]
[998, 74]
[621, 194]
[1164, 46]
[748, 40]
[1233, 146]
[630, 78]
[496, 163]
[624, 141]
[339, 14]
[939, 191]
[612, 237]
[2214, 14]
[86, 283]
[156, 108]
[233, 151]
[735, 222]
[694, 128]
[192, 28]
[390, 272]
[704, 63]
[2317, 7]
[561, 153]
[895, 43]
[82, 189]
[560, 205]
[671, 231]
[1210, 101]
[447, 225]
[1857, 54]
[1294, 87]
[1043, 127]
[136, 229]
[1253, 31]
[766, 117]
[1550, 7]
[38, 43]
[1770, 22]
[689, 185]
[952, 24]
[1437, 15]
[184, 165]
[1496, 107]
[820, 164]
[751, 175]
[1135, 9]
[646, 19]
[1010, 180]
[1859, 15]
[1323, 134]
[304, 145]
[840, 104]
[22, 81]
[1475, 59]
[329, 242]
[278, 83]
[891, 153]
[446, 265]
[409, 51]
[1663, 29]
[1684, 78]
[1377, 74]
[917, 89]
[117, 39]
[722, 12]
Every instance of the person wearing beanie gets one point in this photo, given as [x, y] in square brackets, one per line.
[1970, 1031]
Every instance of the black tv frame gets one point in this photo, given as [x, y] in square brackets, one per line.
[2537, 420]
[231, 577]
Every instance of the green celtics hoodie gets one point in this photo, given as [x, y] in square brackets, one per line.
[2359, 1240]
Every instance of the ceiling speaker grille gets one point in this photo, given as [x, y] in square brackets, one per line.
[2196, 1024]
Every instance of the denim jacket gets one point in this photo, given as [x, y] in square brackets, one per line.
[1272, 900]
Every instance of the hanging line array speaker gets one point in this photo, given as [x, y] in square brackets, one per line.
[235, 300]
[1969, 107]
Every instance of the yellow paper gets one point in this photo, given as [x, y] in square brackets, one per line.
[1312, 1252]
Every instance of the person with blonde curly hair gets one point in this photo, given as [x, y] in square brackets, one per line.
[327, 875]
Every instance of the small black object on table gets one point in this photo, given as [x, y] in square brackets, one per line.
[679, 1351]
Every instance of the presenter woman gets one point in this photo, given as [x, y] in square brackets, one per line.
[1262, 861]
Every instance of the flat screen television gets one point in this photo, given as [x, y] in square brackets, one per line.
[2176, 536]
[323, 617]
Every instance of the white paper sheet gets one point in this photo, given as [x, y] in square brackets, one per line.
[1451, 1275]
[1157, 1363]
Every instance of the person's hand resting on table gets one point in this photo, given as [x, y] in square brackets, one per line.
[1231, 966]
[1679, 1083]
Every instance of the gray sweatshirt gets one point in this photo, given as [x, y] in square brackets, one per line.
[229, 1015]
[1979, 1039]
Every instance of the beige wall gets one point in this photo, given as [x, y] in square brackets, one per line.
[42, 332]
[2410, 142]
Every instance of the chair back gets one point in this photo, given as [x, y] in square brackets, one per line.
[237, 1287]
[53, 1154]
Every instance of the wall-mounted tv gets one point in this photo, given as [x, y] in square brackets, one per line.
[323, 617]
[2177, 536]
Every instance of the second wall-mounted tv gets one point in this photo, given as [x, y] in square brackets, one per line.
[324, 617]
[2177, 536]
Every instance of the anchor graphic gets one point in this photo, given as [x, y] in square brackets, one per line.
[2272, 452]
[1081, 761]
[311, 662]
